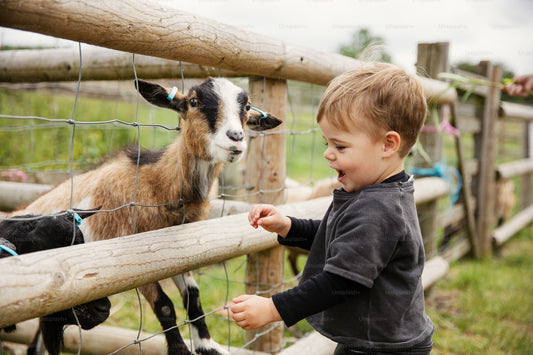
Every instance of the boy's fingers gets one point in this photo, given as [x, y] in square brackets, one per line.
[240, 298]
[238, 317]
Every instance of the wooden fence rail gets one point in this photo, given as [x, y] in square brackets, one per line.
[48, 281]
[145, 27]
[63, 64]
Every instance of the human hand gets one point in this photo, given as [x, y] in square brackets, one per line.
[251, 312]
[522, 85]
[270, 219]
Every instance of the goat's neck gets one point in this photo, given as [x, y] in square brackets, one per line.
[189, 177]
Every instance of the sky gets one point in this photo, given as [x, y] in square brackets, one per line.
[496, 30]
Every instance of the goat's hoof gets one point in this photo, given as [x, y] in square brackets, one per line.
[210, 347]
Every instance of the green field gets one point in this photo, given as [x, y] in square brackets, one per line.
[486, 307]
[34, 145]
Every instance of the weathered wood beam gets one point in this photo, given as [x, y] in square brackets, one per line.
[518, 222]
[514, 168]
[63, 64]
[103, 340]
[48, 281]
[147, 27]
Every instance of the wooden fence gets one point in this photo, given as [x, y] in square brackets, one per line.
[48, 281]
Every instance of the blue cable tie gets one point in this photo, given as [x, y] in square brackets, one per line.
[9, 250]
[172, 93]
[264, 115]
[77, 218]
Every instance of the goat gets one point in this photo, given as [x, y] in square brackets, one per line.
[172, 186]
[30, 233]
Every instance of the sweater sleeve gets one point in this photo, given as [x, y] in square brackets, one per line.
[301, 234]
[314, 295]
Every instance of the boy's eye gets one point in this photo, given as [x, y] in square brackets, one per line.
[340, 147]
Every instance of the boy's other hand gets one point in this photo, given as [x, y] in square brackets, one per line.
[251, 312]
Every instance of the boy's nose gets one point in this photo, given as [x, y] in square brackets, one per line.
[329, 155]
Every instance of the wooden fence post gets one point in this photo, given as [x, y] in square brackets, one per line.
[527, 152]
[485, 152]
[265, 170]
[432, 59]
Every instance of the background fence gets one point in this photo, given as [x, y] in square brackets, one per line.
[458, 211]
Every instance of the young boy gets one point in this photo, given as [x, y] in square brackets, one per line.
[361, 285]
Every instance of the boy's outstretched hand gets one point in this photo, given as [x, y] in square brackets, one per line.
[251, 312]
[270, 219]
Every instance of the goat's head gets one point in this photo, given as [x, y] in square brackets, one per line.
[214, 116]
[88, 315]
[30, 233]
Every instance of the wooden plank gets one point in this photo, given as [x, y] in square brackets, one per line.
[48, 281]
[429, 188]
[434, 269]
[265, 170]
[147, 27]
[460, 248]
[63, 64]
[516, 111]
[16, 194]
[486, 143]
[314, 343]
[432, 59]
[514, 168]
[466, 189]
[518, 222]
[103, 339]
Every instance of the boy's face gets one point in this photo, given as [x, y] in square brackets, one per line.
[355, 155]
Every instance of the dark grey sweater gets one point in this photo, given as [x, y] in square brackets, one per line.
[362, 281]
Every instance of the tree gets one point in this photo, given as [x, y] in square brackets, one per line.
[364, 45]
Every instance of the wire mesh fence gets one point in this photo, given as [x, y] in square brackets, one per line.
[63, 135]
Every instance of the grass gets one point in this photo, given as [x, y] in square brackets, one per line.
[486, 306]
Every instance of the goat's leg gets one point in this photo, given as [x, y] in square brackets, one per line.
[203, 344]
[165, 313]
[36, 346]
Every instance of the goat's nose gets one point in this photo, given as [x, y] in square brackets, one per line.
[236, 136]
[102, 305]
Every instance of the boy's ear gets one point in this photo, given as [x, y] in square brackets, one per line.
[259, 122]
[392, 141]
[158, 95]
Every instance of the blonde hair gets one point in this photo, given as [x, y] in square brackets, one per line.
[378, 97]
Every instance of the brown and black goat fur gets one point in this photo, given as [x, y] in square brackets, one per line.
[172, 185]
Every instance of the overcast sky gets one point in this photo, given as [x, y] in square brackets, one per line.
[497, 30]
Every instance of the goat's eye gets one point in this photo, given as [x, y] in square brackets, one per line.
[193, 102]
[248, 106]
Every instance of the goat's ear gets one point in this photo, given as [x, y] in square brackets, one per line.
[158, 95]
[260, 122]
[87, 213]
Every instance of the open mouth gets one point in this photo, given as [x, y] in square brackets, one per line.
[340, 175]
